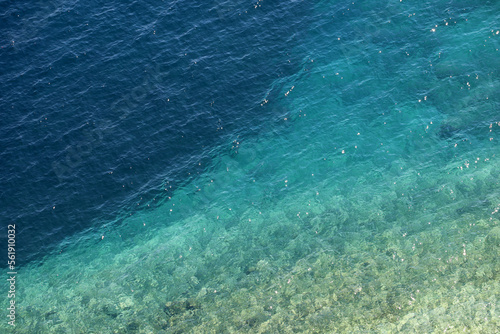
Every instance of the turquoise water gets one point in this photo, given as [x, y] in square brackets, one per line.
[368, 204]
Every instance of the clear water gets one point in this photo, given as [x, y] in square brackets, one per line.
[365, 201]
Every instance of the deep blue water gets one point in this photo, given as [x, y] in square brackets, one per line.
[105, 102]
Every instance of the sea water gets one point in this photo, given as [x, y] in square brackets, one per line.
[365, 201]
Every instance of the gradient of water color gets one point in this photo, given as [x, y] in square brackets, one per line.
[361, 196]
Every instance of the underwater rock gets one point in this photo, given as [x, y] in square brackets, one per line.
[110, 311]
[451, 68]
[447, 131]
[133, 327]
[493, 238]
[178, 307]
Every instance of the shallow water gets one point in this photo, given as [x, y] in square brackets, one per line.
[366, 200]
